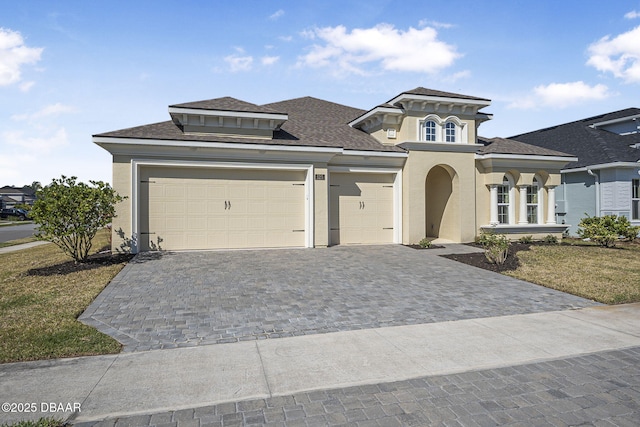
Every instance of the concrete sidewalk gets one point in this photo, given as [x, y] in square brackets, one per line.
[162, 380]
[22, 246]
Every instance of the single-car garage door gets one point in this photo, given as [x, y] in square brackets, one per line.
[361, 208]
[205, 208]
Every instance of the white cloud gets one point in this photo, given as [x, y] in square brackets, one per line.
[13, 55]
[26, 86]
[452, 78]
[43, 143]
[285, 38]
[619, 55]
[436, 24]
[269, 60]
[632, 15]
[561, 95]
[49, 110]
[238, 62]
[276, 15]
[414, 50]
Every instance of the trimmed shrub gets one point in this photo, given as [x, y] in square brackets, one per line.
[550, 239]
[606, 230]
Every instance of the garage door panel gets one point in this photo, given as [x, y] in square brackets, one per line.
[361, 208]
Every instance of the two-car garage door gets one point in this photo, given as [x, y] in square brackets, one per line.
[205, 208]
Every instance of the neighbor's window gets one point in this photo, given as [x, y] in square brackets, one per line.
[635, 199]
[450, 132]
[430, 130]
[532, 203]
[503, 202]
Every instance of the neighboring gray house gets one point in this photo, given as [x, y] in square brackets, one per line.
[12, 196]
[606, 178]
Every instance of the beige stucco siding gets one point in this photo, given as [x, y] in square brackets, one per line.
[409, 129]
[460, 210]
[121, 224]
[321, 209]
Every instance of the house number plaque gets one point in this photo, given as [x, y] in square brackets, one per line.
[319, 177]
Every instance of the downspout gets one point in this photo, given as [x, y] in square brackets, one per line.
[597, 179]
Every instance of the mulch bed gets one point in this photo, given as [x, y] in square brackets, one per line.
[420, 247]
[94, 261]
[480, 260]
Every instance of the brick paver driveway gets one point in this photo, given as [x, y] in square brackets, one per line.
[183, 299]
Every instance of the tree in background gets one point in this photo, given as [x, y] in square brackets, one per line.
[70, 213]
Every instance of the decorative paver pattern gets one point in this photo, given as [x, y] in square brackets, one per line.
[601, 389]
[168, 300]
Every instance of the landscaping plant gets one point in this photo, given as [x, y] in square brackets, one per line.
[496, 247]
[606, 230]
[425, 243]
[70, 213]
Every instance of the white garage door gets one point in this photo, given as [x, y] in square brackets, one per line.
[191, 208]
[361, 206]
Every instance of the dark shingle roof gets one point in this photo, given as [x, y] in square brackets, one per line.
[432, 92]
[591, 146]
[312, 123]
[510, 146]
[226, 103]
[315, 121]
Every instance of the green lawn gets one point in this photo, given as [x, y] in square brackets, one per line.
[42, 292]
[607, 275]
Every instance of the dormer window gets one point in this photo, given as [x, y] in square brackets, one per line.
[430, 131]
[450, 132]
[433, 128]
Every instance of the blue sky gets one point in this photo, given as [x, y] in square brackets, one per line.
[71, 69]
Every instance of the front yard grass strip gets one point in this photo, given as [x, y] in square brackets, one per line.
[18, 241]
[42, 292]
[606, 275]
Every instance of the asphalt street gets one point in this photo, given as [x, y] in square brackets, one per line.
[14, 232]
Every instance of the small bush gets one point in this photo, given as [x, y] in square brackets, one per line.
[526, 239]
[42, 422]
[625, 229]
[496, 247]
[606, 230]
[425, 243]
[550, 239]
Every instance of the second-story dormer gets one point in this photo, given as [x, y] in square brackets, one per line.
[425, 116]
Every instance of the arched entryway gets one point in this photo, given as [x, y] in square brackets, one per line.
[442, 214]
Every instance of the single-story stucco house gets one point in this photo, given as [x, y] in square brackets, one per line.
[305, 172]
[605, 180]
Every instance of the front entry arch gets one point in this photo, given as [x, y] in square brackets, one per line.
[442, 210]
